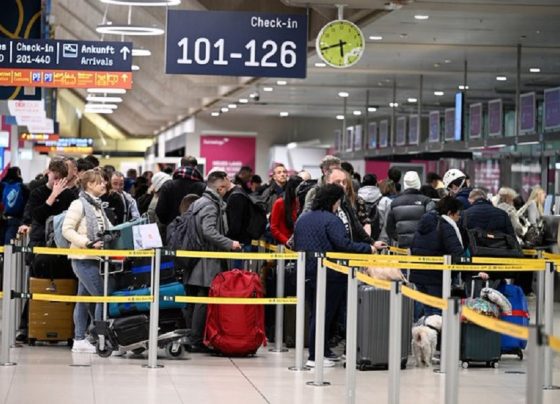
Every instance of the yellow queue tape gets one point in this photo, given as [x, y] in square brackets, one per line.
[530, 252]
[401, 251]
[235, 255]
[378, 283]
[1, 295]
[235, 300]
[495, 268]
[509, 261]
[93, 252]
[424, 298]
[336, 267]
[554, 343]
[2, 250]
[493, 324]
[384, 258]
[434, 267]
[90, 299]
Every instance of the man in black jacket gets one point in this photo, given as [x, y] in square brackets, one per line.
[483, 215]
[406, 210]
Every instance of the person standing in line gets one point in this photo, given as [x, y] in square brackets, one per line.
[284, 212]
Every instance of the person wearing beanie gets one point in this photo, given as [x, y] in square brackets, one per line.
[405, 211]
[158, 180]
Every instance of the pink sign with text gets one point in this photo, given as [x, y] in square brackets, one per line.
[228, 153]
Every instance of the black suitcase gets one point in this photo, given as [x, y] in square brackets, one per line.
[133, 329]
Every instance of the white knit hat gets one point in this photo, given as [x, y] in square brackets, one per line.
[159, 179]
[411, 180]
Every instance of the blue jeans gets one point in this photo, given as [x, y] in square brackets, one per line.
[90, 283]
[422, 309]
[11, 227]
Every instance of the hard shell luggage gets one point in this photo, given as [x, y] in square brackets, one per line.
[51, 321]
[235, 329]
[171, 289]
[373, 329]
[133, 329]
[137, 273]
[519, 315]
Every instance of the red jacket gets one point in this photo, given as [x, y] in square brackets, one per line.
[278, 226]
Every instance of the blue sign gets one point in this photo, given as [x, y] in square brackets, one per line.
[65, 55]
[231, 43]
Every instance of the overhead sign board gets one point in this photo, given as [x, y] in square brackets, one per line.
[61, 63]
[239, 43]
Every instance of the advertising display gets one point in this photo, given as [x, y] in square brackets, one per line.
[434, 135]
[384, 133]
[66, 145]
[227, 153]
[495, 118]
[552, 108]
[338, 140]
[349, 138]
[358, 137]
[239, 43]
[400, 131]
[65, 64]
[372, 135]
[528, 113]
[475, 121]
[414, 130]
[449, 124]
[458, 125]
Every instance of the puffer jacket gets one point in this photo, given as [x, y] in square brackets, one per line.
[463, 196]
[483, 215]
[405, 212]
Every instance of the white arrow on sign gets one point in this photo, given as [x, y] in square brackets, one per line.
[125, 51]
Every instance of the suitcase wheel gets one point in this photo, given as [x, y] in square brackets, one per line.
[495, 364]
[174, 352]
[465, 365]
[403, 363]
[105, 352]
[520, 354]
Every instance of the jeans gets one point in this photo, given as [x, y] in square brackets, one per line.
[195, 315]
[240, 264]
[90, 283]
[422, 309]
[11, 227]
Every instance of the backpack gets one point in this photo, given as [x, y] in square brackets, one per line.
[12, 198]
[53, 231]
[301, 192]
[235, 329]
[257, 214]
[374, 218]
[183, 235]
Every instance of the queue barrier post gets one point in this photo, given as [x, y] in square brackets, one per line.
[7, 303]
[154, 313]
[446, 342]
[548, 326]
[395, 341]
[351, 335]
[534, 391]
[18, 281]
[540, 294]
[320, 324]
[453, 352]
[300, 313]
[279, 326]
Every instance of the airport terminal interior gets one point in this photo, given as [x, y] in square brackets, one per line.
[272, 99]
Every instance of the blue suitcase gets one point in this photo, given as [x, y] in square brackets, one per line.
[519, 316]
[171, 289]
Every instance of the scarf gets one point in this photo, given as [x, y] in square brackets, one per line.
[455, 227]
[91, 203]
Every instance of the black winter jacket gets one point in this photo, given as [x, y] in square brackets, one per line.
[483, 215]
[434, 237]
[405, 212]
[172, 193]
[463, 196]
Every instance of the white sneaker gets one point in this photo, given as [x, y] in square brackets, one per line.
[326, 363]
[83, 346]
[118, 352]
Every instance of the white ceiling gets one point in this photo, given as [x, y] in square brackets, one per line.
[483, 33]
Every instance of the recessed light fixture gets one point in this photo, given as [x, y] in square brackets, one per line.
[375, 38]
[106, 90]
[501, 78]
[340, 117]
[343, 94]
[224, 109]
[371, 109]
[141, 52]
[438, 93]
[135, 68]
[320, 64]
[103, 99]
[412, 99]
[268, 89]
[535, 70]
[102, 106]
[447, 61]
[232, 106]
[254, 95]
[421, 17]
[215, 113]
[243, 100]
[357, 112]
[130, 30]
[281, 82]
[436, 65]
[284, 114]
[393, 104]
[462, 87]
[153, 3]
[98, 111]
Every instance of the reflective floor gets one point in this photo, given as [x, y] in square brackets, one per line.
[52, 374]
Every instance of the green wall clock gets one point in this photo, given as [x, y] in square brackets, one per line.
[340, 43]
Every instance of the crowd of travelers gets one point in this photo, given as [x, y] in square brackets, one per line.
[339, 211]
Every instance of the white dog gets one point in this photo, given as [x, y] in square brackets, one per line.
[424, 339]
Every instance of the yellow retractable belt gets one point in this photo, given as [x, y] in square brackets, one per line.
[424, 298]
[2, 250]
[378, 283]
[1, 295]
[235, 255]
[401, 251]
[554, 343]
[493, 324]
[530, 252]
[509, 261]
[336, 267]
[93, 252]
[235, 300]
[374, 258]
[90, 299]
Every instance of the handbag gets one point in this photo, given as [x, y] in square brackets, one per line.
[534, 233]
[484, 243]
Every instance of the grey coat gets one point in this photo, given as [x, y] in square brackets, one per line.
[211, 225]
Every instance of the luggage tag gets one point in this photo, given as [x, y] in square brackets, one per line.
[146, 236]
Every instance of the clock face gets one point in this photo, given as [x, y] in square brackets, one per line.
[340, 43]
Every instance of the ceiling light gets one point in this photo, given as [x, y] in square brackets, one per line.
[357, 112]
[153, 3]
[340, 117]
[343, 94]
[284, 114]
[501, 78]
[254, 95]
[376, 38]
[232, 106]
[215, 113]
[268, 89]
[141, 52]
[371, 109]
[132, 30]
[224, 109]
[98, 111]
[393, 104]
[438, 93]
[103, 99]
[243, 100]
[462, 87]
[411, 99]
[320, 64]
[447, 61]
[102, 106]
[436, 65]
[135, 68]
[535, 70]
[421, 17]
[281, 82]
[106, 90]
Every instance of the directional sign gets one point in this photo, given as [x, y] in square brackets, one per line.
[58, 63]
[239, 43]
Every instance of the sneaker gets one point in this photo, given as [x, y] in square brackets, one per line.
[332, 356]
[326, 363]
[82, 346]
[118, 352]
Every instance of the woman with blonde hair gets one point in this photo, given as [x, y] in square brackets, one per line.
[506, 196]
[534, 205]
[83, 226]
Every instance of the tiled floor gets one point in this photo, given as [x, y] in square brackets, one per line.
[44, 375]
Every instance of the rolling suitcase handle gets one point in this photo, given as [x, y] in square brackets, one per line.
[473, 281]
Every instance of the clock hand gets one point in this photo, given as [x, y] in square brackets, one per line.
[341, 44]
[334, 46]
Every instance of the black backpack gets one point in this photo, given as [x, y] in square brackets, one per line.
[257, 214]
[373, 214]
[182, 234]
